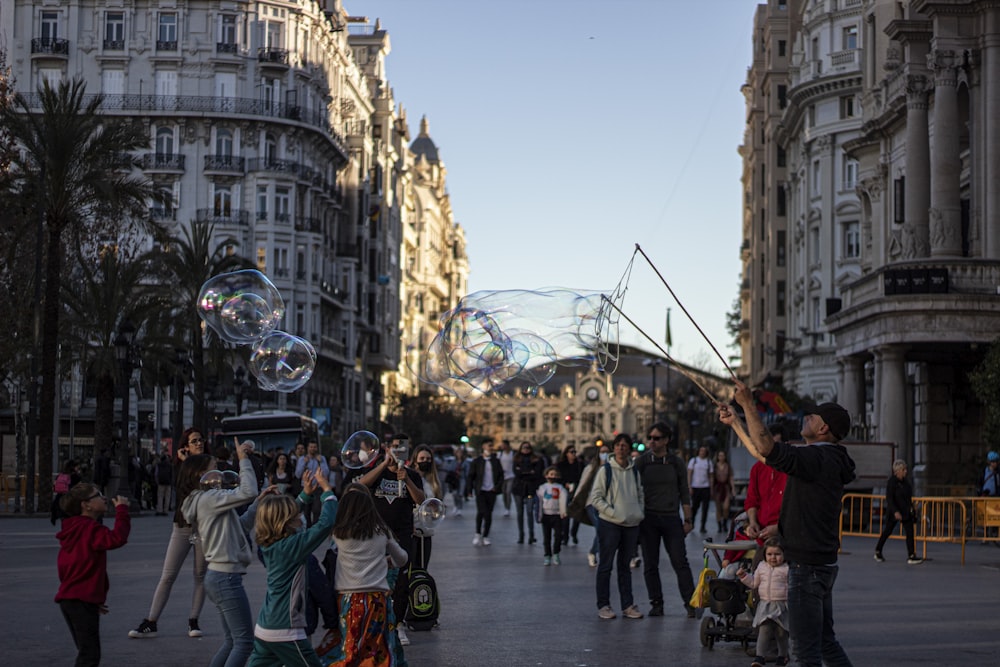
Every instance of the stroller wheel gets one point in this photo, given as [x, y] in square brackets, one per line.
[707, 626]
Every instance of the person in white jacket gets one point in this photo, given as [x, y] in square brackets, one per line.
[617, 496]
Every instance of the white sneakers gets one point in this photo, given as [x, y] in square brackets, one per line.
[401, 633]
[486, 542]
[477, 541]
[592, 559]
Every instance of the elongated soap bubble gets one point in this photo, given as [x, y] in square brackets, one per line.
[282, 362]
[241, 306]
[498, 341]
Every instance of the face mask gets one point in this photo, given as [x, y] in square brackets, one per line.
[424, 466]
[364, 455]
[604, 457]
[553, 480]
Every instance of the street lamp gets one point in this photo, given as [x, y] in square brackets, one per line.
[180, 365]
[691, 408]
[125, 355]
[239, 382]
[653, 363]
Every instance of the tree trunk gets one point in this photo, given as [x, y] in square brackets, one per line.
[49, 351]
[104, 414]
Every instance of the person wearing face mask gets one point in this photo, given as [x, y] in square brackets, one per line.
[423, 457]
[485, 480]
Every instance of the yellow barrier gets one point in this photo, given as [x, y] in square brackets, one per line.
[950, 520]
[8, 492]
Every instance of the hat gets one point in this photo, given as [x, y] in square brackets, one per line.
[836, 418]
[993, 456]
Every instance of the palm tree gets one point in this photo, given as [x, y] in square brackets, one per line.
[189, 261]
[76, 177]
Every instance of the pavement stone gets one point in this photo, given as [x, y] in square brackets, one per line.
[501, 606]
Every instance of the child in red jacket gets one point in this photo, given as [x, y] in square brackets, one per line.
[83, 565]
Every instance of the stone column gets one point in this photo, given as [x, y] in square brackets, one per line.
[945, 212]
[891, 400]
[990, 87]
[852, 385]
[918, 172]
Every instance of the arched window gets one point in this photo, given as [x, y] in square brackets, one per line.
[165, 141]
[224, 143]
[223, 202]
[270, 148]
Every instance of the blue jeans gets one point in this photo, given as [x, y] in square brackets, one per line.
[669, 529]
[621, 540]
[225, 590]
[525, 505]
[810, 613]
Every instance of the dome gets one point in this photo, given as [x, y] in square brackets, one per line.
[423, 145]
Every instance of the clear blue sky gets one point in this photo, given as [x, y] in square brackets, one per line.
[573, 130]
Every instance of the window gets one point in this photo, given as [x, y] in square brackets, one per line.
[262, 259]
[113, 82]
[899, 200]
[222, 203]
[815, 178]
[817, 314]
[270, 149]
[227, 34]
[49, 75]
[272, 35]
[224, 143]
[780, 249]
[282, 203]
[262, 202]
[852, 240]
[166, 34]
[164, 141]
[166, 84]
[782, 96]
[811, 120]
[781, 48]
[114, 31]
[281, 264]
[847, 106]
[779, 304]
[782, 158]
[782, 205]
[850, 38]
[50, 26]
[850, 173]
[763, 179]
[814, 245]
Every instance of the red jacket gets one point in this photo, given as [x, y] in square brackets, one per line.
[83, 557]
[765, 491]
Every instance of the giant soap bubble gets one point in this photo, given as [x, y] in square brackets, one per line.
[360, 450]
[282, 362]
[431, 512]
[241, 307]
[498, 341]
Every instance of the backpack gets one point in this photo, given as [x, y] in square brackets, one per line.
[424, 607]
[164, 473]
[62, 483]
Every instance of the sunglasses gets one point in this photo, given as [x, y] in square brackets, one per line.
[656, 437]
[96, 495]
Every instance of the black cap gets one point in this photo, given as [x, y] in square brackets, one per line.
[836, 417]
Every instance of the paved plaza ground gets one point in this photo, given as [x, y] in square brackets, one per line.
[501, 606]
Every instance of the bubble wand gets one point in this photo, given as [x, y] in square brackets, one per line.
[667, 285]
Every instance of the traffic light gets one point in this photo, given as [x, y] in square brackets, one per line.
[640, 446]
[464, 439]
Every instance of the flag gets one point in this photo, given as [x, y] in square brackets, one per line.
[670, 339]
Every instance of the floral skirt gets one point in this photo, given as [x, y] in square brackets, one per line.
[366, 636]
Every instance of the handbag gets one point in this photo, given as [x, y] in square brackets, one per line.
[700, 599]
[577, 508]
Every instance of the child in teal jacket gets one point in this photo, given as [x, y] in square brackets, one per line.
[280, 635]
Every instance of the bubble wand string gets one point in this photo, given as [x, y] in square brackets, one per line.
[690, 376]
[667, 285]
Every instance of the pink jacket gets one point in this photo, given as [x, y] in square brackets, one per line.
[771, 582]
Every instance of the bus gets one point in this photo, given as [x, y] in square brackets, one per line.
[269, 429]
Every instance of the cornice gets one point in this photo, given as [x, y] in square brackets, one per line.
[910, 30]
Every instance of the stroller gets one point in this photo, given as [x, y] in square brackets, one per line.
[729, 601]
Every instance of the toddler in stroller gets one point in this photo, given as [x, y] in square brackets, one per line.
[727, 598]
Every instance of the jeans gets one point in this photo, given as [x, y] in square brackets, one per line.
[595, 520]
[225, 590]
[621, 540]
[700, 498]
[551, 533]
[322, 599]
[670, 530]
[485, 500]
[177, 550]
[810, 613]
[84, 621]
[525, 505]
[508, 490]
[890, 525]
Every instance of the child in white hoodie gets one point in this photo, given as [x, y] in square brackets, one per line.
[552, 509]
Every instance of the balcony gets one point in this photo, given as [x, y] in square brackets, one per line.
[166, 45]
[308, 225]
[159, 214]
[163, 162]
[272, 57]
[226, 47]
[273, 165]
[223, 217]
[226, 164]
[114, 45]
[282, 219]
[50, 46]
[844, 59]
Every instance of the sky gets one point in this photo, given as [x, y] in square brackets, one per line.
[575, 130]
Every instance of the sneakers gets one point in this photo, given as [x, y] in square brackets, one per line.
[781, 661]
[878, 558]
[555, 560]
[193, 629]
[635, 562]
[506, 513]
[592, 559]
[631, 612]
[145, 629]
[547, 560]
[758, 661]
[605, 613]
[486, 542]
[531, 540]
[401, 633]
[656, 609]
[913, 560]
[691, 611]
[477, 541]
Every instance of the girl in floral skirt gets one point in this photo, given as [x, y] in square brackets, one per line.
[365, 550]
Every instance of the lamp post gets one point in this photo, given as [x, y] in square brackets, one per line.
[691, 408]
[180, 364]
[239, 382]
[653, 363]
[125, 354]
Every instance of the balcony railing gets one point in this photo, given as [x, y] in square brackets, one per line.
[226, 47]
[223, 217]
[227, 163]
[282, 219]
[55, 46]
[167, 161]
[272, 56]
[199, 104]
[114, 45]
[273, 165]
[166, 45]
[844, 58]
[308, 225]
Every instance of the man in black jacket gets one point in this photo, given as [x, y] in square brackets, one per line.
[485, 481]
[810, 518]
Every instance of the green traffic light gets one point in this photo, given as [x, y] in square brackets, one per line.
[464, 439]
[641, 447]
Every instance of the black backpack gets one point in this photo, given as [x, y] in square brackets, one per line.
[424, 607]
